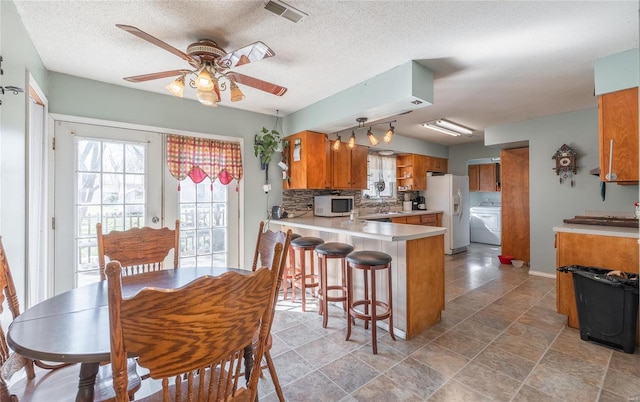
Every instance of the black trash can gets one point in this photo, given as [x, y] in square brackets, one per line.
[607, 306]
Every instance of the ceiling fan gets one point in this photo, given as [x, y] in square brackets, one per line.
[210, 64]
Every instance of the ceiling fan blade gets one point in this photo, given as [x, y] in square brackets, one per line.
[151, 39]
[257, 84]
[248, 54]
[155, 76]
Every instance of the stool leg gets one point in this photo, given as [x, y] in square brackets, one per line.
[366, 296]
[303, 278]
[390, 305]
[344, 285]
[349, 301]
[291, 267]
[313, 275]
[374, 311]
[293, 276]
[323, 274]
[324, 304]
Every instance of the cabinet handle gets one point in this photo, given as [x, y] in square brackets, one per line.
[610, 176]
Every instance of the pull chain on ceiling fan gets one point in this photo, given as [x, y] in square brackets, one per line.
[210, 65]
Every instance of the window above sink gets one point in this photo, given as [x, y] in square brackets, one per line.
[381, 177]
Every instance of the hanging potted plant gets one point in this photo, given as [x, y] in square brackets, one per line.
[266, 144]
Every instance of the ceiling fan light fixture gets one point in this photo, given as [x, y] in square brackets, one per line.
[204, 81]
[336, 143]
[373, 140]
[208, 98]
[177, 87]
[388, 136]
[352, 140]
[236, 93]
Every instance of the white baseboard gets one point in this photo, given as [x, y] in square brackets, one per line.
[542, 274]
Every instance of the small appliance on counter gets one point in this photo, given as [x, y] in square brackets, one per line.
[418, 203]
[278, 212]
[332, 205]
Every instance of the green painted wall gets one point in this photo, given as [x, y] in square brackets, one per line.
[616, 72]
[19, 59]
[550, 201]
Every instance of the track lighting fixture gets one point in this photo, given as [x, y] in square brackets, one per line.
[373, 140]
[336, 143]
[388, 136]
[352, 140]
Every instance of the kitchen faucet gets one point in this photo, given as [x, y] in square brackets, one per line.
[383, 207]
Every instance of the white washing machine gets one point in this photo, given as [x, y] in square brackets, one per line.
[486, 225]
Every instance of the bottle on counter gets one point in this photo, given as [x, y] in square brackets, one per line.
[354, 215]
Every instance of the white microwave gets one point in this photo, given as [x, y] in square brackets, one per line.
[332, 205]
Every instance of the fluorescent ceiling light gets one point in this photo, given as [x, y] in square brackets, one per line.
[447, 127]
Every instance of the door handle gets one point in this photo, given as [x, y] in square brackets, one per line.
[610, 176]
[155, 219]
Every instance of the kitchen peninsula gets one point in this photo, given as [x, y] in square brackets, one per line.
[417, 266]
[607, 247]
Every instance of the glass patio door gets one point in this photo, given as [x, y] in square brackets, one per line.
[103, 174]
[118, 176]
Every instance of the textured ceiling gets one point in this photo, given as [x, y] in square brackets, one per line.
[494, 61]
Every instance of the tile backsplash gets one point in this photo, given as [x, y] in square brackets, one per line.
[296, 201]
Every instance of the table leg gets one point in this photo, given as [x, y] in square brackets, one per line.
[87, 381]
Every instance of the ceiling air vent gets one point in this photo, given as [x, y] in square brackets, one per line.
[284, 10]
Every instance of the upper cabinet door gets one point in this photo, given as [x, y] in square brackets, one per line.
[488, 177]
[309, 161]
[341, 167]
[474, 178]
[359, 167]
[618, 124]
[349, 167]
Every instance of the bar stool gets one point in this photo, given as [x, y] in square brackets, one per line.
[289, 271]
[369, 262]
[325, 252]
[303, 279]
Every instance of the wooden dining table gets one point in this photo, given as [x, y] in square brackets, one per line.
[73, 327]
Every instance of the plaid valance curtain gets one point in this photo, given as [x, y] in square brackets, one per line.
[199, 158]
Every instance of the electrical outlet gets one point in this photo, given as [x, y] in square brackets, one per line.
[309, 206]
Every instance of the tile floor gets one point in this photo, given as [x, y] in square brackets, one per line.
[500, 339]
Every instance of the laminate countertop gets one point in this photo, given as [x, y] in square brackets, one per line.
[598, 230]
[386, 231]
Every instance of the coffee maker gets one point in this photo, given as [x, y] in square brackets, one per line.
[418, 203]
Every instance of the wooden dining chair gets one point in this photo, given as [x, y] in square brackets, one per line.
[11, 363]
[192, 338]
[264, 257]
[139, 250]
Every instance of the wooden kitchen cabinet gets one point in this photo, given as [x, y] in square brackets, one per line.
[590, 250]
[474, 177]
[411, 171]
[438, 165]
[618, 127]
[425, 219]
[484, 177]
[312, 170]
[431, 220]
[349, 167]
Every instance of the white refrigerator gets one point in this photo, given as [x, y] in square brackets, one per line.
[450, 194]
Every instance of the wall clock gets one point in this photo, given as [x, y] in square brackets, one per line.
[566, 166]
